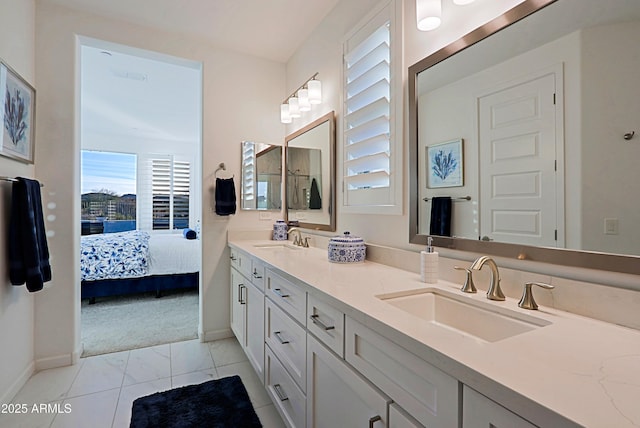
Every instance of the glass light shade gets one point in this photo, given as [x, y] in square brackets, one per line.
[315, 91]
[462, 2]
[294, 107]
[285, 117]
[303, 100]
[428, 14]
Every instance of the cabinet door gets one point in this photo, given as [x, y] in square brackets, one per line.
[398, 418]
[480, 412]
[238, 295]
[337, 396]
[254, 331]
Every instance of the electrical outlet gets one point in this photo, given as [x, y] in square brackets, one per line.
[264, 215]
[610, 226]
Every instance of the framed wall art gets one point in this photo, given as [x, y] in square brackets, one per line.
[445, 164]
[17, 114]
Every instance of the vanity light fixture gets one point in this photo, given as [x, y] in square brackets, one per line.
[301, 100]
[429, 13]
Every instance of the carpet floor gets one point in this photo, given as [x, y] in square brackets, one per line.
[121, 323]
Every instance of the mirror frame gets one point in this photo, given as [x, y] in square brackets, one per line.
[576, 258]
[329, 117]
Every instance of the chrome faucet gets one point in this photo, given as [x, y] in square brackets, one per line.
[494, 292]
[297, 240]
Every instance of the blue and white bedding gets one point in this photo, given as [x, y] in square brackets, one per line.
[114, 255]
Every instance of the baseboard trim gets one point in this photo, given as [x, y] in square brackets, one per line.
[211, 335]
[57, 361]
[17, 385]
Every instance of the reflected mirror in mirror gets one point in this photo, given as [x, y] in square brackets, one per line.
[543, 107]
[310, 177]
[261, 176]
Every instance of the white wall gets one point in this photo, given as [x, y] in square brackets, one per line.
[17, 46]
[241, 95]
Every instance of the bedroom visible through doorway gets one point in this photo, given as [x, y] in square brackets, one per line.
[140, 130]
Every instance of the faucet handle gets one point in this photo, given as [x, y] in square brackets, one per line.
[469, 286]
[527, 301]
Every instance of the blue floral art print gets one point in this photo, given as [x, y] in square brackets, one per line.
[445, 164]
[17, 100]
[15, 115]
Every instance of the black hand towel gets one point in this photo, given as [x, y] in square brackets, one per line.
[225, 196]
[315, 201]
[440, 216]
[28, 250]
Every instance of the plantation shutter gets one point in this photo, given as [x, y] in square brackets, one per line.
[248, 176]
[163, 193]
[368, 120]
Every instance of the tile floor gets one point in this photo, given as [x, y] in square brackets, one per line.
[100, 390]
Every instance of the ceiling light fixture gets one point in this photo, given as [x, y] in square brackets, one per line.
[301, 100]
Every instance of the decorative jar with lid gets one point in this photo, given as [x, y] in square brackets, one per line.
[280, 230]
[347, 249]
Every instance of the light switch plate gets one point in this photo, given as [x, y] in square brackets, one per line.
[264, 215]
[610, 226]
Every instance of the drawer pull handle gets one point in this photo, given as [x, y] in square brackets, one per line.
[241, 299]
[316, 320]
[255, 274]
[373, 420]
[278, 335]
[279, 392]
[279, 293]
[232, 257]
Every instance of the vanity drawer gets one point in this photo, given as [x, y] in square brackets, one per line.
[288, 341]
[241, 261]
[287, 397]
[326, 323]
[291, 298]
[258, 272]
[425, 392]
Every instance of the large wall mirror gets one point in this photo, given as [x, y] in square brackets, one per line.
[310, 175]
[525, 137]
[261, 187]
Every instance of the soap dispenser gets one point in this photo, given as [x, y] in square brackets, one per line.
[429, 264]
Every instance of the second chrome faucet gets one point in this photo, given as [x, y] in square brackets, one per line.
[493, 292]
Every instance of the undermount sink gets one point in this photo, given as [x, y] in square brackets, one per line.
[277, 246]
[470, 317]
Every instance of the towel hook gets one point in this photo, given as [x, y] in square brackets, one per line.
[629, 135]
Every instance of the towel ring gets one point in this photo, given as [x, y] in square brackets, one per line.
[221, 167]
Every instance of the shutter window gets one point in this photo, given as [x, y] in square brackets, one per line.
[368, 120]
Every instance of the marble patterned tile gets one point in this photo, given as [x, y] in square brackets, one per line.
[194, 378]
[128, 395]
[93, 410]
[250, 379]
[146, 364]
[190, 356]
[227, 351]
[48, 385]
[269, 417]
[100, 373]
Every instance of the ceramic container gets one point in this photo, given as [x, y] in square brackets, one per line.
[279, 231]
[347, 249]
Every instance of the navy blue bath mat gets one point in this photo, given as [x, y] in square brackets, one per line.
[220, 403]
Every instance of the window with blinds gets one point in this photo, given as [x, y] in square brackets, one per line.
[369, 140]
[165, 193]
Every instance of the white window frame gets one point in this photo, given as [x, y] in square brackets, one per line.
[370, 200]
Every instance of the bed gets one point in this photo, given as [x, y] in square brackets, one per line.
[137, 262]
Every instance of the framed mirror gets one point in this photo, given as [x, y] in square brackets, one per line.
[261, 187]
[546, 102]
[310, 175]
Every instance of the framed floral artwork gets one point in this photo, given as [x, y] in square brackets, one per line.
[445, 164]
[17, 114]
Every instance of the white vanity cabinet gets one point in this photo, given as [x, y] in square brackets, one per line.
[425, 392]
[338, 396]
[247, 307]
[479, 411]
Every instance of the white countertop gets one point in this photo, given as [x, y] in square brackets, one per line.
[574, 372]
